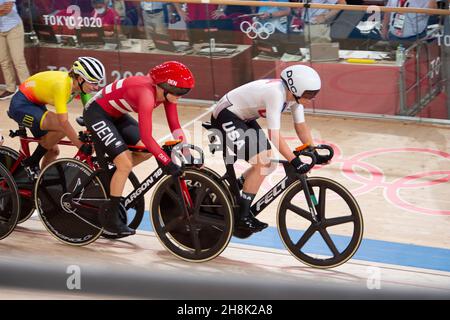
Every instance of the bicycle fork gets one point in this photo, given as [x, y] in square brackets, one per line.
[182, 190]
[310, 197]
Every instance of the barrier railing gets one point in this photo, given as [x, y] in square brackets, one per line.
[359, 64]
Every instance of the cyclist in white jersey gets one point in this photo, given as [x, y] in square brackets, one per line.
[235, 117]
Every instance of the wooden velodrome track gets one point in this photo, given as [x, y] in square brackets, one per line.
[399, 173]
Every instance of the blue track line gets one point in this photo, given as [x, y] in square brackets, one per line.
[402, 254]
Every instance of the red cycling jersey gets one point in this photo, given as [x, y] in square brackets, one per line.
[138, 94]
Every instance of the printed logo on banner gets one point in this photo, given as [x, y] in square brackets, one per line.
[72, 19]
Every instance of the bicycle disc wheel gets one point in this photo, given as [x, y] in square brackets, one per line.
[8, 157]
[9, 203]
[53, 190]
[217, 178]
[334, 238]
[239, 233]
[202, 234]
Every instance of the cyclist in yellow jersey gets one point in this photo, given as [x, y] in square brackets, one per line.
[57, 88]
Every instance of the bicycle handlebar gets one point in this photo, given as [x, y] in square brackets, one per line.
[311, 152]
[308, 154]
[326, 147]
[178, 149]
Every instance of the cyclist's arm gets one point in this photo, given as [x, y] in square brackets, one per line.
[280, 143]
[301, 128]
[63, 117]
[273, 114]
[304, 133]
[67, 128]
[174, 122]
[145, 102]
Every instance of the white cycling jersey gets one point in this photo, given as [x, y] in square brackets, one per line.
[260, 98]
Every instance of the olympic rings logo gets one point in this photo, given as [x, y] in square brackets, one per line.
[257, 29]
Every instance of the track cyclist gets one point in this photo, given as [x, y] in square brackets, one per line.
[235, 117]
[113, 129]
[57, 88]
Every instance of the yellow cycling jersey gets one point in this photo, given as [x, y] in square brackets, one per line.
[49, 87]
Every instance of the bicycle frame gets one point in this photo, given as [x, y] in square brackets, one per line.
[277, 190]
[142, 189]
[24, 152]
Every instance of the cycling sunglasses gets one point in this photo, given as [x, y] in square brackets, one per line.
[176, 91]
[179, 91]
[310, 94]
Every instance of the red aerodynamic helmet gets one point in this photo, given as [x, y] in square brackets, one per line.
[174, 77]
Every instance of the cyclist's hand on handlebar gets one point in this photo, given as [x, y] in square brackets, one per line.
[299, 166]
[321, 159]
[173, 169]
[86, 149]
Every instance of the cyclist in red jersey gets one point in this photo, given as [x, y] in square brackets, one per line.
[107, 117]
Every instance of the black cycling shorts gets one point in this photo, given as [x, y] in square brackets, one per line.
[240, 139]
[111, 135]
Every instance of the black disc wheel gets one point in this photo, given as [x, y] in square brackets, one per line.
[333, 237]
[238, 233]
[9, 203]
[68, 212]
[205, 231]
[25, 185]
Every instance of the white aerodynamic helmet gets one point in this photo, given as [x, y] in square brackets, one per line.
[302, 81]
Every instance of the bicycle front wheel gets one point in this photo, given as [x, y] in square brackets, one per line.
[336, 235]
[9, 203]
[202, 234]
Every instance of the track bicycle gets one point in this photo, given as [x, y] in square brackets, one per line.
[69, 194]
[309, 207]
[13, 159]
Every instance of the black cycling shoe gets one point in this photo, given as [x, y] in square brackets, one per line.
[251, 224]
[123, 213]
[112, 222]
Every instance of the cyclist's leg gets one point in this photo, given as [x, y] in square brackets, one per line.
[139, 157]
[255, 175]
[124, 165]
[50, 124]
[30, 115]
[50, 141]
[261, 165]
[99, 122]
[247, 142]
[129, 129]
